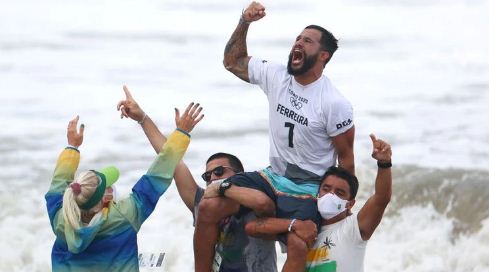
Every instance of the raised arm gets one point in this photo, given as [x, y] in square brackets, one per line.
[184, 180]
[70, 157]
[343, 145]
[236, 53]
[371, 213]
[147, 191]
[129, 108]
[66, 167]
[173, 150]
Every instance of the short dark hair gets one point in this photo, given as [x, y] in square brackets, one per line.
[328, 41]
[233, 160]
[345, 175]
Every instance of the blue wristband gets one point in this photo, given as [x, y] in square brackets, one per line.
[72, 147]
[184, 132]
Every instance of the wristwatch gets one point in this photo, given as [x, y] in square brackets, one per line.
[223, 187]
[384, 164]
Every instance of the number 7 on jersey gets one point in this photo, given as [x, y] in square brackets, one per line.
[291, 133]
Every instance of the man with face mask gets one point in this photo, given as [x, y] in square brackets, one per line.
[342, 240]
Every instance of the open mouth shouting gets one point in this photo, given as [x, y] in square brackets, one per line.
[297, 57]
[300, 63]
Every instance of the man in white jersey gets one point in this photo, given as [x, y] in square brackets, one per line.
[341, 244]
[311, 126]
[311, 123]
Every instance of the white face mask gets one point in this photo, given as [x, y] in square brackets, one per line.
[330, 205]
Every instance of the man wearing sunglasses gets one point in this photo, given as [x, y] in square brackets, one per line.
[235, 250]
[218, 172]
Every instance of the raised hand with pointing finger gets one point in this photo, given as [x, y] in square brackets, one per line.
[381, 151]
[129, 108]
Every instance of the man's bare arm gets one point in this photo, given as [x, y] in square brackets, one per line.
[184, 180]
[254, 199]
[343, 144]
[236, 53]
[186, 185]
[371, 213]
[268, 228]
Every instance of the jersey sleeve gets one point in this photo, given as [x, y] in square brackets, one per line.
[147, 191]
[354, 229]
[64, 173]
[340, 117]
[262, 73]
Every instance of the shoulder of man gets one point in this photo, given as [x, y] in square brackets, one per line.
[271, 65]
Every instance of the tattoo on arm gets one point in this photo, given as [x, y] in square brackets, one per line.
[236, 52]
[236, 45]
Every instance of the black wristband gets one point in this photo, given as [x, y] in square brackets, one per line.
[384, 164]
[223, 187]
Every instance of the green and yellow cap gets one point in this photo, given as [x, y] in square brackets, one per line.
[107, 177]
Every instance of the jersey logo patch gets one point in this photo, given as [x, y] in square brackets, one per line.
[343, 124]
[296, 104]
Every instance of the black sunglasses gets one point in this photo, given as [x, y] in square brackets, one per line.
[218, 171]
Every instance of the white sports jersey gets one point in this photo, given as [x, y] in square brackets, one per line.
[303, 120]
[339, 247]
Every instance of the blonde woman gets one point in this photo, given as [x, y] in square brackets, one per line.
[94, 233]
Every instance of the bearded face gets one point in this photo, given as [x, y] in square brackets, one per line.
[300, 63]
